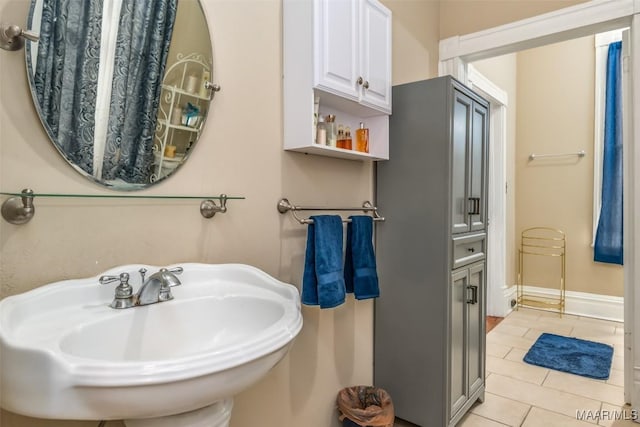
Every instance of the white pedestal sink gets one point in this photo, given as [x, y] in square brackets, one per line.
[216, 415]
[65, 354]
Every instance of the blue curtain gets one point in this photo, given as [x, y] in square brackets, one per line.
[142, 49]
[66, 75]
[608, 244]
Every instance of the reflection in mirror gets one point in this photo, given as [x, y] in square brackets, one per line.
[121, 86]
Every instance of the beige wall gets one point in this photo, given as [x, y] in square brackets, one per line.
[240, 153]
[415, 39]
[459, 17]
[556, 115]
[551, 111]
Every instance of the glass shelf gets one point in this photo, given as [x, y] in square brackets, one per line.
[180, 127]
[184, 92]
[123, 196]
[19, 207]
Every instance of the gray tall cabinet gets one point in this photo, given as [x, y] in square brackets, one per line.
[430, 319]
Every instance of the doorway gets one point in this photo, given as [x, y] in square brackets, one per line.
[566, 24]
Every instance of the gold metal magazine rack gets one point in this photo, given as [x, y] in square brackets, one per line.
[537, 244]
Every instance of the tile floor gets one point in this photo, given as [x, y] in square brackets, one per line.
[519, 394]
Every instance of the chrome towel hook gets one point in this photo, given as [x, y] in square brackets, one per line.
[12, 37]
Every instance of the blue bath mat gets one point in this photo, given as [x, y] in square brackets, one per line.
[581, 357]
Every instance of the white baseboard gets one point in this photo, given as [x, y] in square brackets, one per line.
[579, 303]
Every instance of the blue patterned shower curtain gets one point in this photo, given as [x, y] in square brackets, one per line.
[66, 75]
[142, 48]
[608, 245]
[66, 81]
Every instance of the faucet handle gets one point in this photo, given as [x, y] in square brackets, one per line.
[123, 293]
[108, 279]
[123, 278]
[169, 276]
[124, 289]
[175, 270]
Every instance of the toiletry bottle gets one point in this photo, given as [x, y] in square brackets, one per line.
[321, 134]
[340, 142]
[347, 139]
[332, 133]
[170, 151]
[191, 84]
[362, 139]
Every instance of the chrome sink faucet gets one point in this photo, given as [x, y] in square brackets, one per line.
[156, 288]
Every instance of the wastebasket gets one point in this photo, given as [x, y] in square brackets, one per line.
[365, 406]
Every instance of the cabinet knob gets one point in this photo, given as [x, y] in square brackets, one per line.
[366, 84]
[360, 81]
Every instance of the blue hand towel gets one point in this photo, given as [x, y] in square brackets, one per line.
[360, 274]
[323, 282]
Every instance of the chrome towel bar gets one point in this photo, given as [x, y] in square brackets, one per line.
[580, 153]
[285, 206]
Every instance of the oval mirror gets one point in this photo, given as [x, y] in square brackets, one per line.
[122, 87]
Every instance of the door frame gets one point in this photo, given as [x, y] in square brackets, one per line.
[498, 296]
[561, 25]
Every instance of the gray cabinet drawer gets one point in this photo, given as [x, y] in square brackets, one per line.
[469, 249]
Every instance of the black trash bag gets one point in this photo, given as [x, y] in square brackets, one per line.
[366, 406]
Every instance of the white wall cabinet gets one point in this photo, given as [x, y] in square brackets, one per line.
[353, 51]
[343, 59]
[336, 47]
[375, 51]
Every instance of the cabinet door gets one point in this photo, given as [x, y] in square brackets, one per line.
[457, 346]
[476, 326]
[477, 168]
[336, 47]
[462, 112]
[375, 48]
